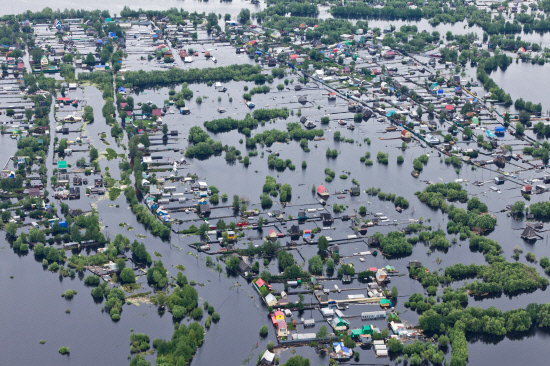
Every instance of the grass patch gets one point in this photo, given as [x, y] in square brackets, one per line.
[139, 294]
[158, 254]
[180, 267]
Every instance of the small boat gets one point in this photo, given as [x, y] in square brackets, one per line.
[342, 123]
[297, 87]
[351, 127]
[221, 110]
[302, 100]
[332, 96]
[250, 105]
[390, 129]
[309, 125]
[214, 59]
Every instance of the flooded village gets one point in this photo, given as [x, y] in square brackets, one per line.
[275, 183]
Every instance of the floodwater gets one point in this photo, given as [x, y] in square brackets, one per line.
[32, 308]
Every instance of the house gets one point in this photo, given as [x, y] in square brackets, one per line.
[261, 283]
[204, 209]
[302, 215]
[364, 330]
[272, 234]
[231, 235]
[529, 234]
[294, 231]
[278, 316]
[499, 179]
[282, 329]
[268, 359]
[35, 192]
[77, 181]
[355, 191]
[339, 324]
[322, 192]
[335, 249]
[326, 218]
[74, 193]
[414, 264]
[340, 352]
[499, 130]
[406, 135]
[369, 315]
[62, 166]
[271, 300]
[527, 189]
[98, 182]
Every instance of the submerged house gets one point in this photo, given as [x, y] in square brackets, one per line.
[322, 192]
[529, 234]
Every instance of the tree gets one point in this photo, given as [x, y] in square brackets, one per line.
[419, 111]
[127, 275]
[519, 128]
[395, 345]
[322, 244]
[394, 292]
[6, 215]
[263, 331]
[244, 16]
[120, 264]
[236, 202]
[93, 153]
[322, 333]
[524, 116]
[90, 59]
[431, 109]
[62, 146]
[165, 129]
[316, 264]
[11, 229]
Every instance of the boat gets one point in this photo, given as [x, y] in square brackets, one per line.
[332, 96]
[351, 127]
[342, 123]
[302, 100]
[390, 129]
[309, 125]
[297, 87]
[214, 59]
[250, 105]
[221, 110]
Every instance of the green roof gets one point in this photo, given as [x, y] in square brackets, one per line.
[62, 164]
[475, 120]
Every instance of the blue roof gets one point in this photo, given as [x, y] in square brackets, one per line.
[121, 89]
[499, 128]
[99, 41]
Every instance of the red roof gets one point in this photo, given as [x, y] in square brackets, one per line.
[449, 107]
[322, 190]
[260, 283]
[129, 113]
[281, 324]
[528, 187]
[123, 105]
[61, 99]
[279, 313]
[156, 112]
[307, 231]
[373, 269]
[293, 57]
[20, 65]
